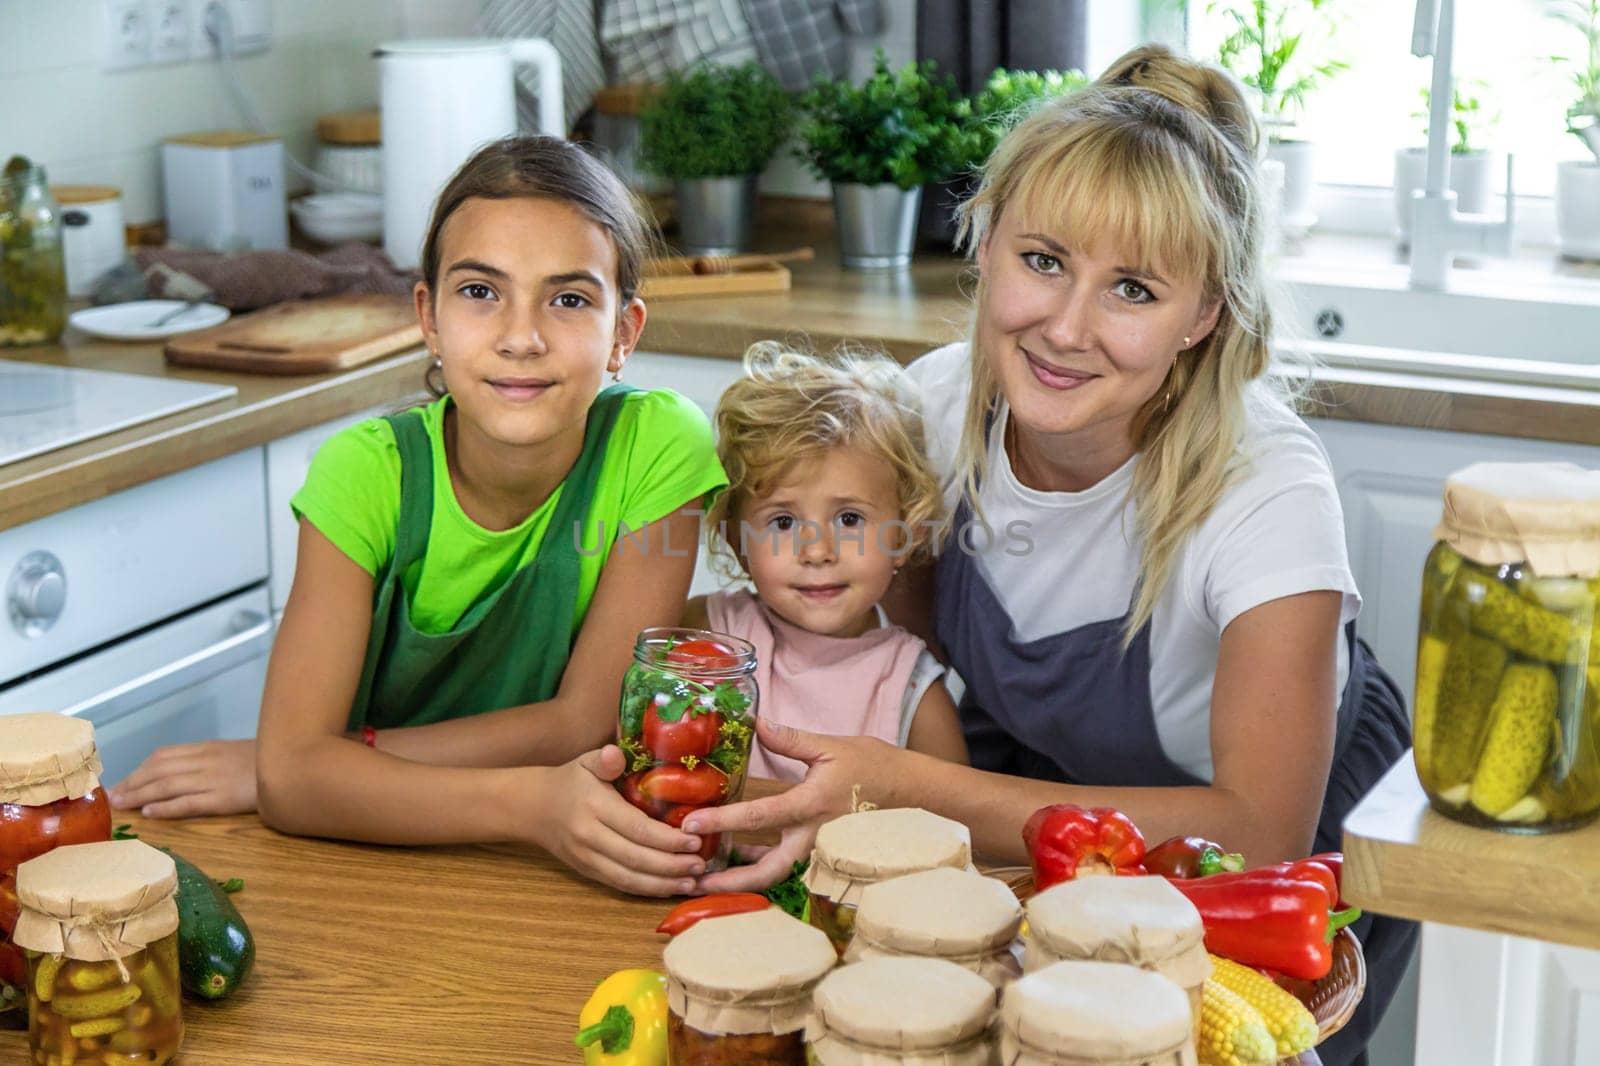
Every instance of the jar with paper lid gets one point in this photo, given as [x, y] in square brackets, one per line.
[739, 989]
[50, 795]
[1506, 732]
[1138, 921]
[957, 915]
[912, 1011]
[867, 846]
[1095, 1014]
[99, 923]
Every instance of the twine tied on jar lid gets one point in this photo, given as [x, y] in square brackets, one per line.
[97, 902]
[1546, 515]
[45, 757]
[954, 914]
[871, 845]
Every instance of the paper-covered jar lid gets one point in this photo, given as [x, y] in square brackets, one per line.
[45, 757]
[913, 1009]
[856, 850]
[746, 973]
[1095, 1014]
[1544, 514]
[96, 902]
[1142, 921]
[943, 912]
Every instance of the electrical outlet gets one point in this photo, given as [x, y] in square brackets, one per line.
[169, 30]
[249, 20]
[127, 41]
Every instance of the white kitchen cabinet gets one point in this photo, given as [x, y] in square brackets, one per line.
[1391, 484]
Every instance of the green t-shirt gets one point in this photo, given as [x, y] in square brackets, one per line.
[660, 456]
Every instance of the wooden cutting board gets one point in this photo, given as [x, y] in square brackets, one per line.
[303, 336]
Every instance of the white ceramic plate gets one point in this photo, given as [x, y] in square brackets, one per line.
[134, 321]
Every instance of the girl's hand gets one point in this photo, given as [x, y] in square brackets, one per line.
[188, 780]
[590, 827]
[834, 767]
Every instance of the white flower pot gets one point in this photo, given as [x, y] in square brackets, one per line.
[1471, 176]
[1299, 185]
[1578, 209]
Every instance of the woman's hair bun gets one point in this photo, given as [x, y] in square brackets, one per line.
[1207, 90]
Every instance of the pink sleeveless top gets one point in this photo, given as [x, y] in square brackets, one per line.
[846, 686]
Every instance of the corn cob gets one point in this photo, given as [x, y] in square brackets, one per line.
[1232, 1032]
[1518, 739]
[1290, 1023]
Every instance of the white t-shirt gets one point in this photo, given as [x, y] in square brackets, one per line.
[1073, 558]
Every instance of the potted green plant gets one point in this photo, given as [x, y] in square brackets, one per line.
[1471, 165]
[711, 130]
[1280, 52]
[879, 143]
[1578, 181]
[1006, 99]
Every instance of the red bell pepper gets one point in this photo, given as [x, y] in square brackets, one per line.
[1334, 860]
[690, 911]
[1067, 841]
[1276, 917]
[1191, 857]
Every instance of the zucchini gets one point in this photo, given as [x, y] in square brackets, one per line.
[215, 948]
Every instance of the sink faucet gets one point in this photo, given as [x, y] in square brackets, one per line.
[1438, 230]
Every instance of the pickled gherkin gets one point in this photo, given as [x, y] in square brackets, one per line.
[1466, 694]
[1520, 624]
[1518, 741]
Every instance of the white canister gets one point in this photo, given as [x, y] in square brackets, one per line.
[92, 236]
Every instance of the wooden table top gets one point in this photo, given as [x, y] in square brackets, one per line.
[1402, 858]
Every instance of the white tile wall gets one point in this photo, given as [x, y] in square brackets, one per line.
[87, 125]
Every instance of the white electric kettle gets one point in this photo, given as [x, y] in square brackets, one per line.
[442, 100]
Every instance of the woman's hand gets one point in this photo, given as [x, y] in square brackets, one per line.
[590, 827]
[835, 766]
[188, 780]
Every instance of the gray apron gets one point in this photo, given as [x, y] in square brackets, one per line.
[1074, 707]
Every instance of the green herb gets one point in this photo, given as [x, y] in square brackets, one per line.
[1010, 96]
[1271, 49]
[1467, 114]
[124, 832]
[714, 122]
[733, 746]
[232, 885]
[638, 757]
[731, 701]
[791, 894]
[1583, 117]
[907, 127]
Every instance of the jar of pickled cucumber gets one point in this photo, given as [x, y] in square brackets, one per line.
[1095, 1014]
[685, 723]
[739, 989]
[50, 795]
[957, 915]
[867, 846]
[1140, 921]
[1506, 730]
[904, 1011]
[33, 273]
[99, 924]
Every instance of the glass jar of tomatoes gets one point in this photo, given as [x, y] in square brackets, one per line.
[49, 795]
[1506, 733]
[99, 923]
[685, 723]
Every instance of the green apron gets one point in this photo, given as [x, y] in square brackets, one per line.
[512, 646]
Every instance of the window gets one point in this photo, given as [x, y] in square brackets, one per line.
[1359, 117]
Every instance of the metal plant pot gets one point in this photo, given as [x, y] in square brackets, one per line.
[877, 224]
[715, 215]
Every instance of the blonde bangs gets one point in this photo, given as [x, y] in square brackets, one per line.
[1101, 186]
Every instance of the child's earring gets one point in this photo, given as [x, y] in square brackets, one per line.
[438, 364]
[616, 375]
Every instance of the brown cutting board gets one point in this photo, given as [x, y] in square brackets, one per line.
[303, 336]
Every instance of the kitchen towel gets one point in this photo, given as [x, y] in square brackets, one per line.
[569, 25]
[244, 281]
[645, 40]
[801, 39]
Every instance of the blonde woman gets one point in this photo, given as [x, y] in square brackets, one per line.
[1145, 588]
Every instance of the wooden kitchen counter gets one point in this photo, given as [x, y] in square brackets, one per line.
[1403, 859]
[905, 313]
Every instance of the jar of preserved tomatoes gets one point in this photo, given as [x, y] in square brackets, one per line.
[1506, 733]
[739, 989]
[959, 916]
[867, 846]
[1141, 921]
[1094, 1014]
[910, 1011]
[99, 923]
[49, 795]
[685, 724]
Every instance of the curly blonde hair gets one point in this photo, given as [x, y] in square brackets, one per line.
[792, 406]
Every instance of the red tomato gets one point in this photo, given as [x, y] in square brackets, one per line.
[705, 654]
[708, 842]
[13, 966]
[693, 734]
[629, 787]
[9, 908]
[680, 785]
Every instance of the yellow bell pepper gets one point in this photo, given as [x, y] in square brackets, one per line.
[625, 1021]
